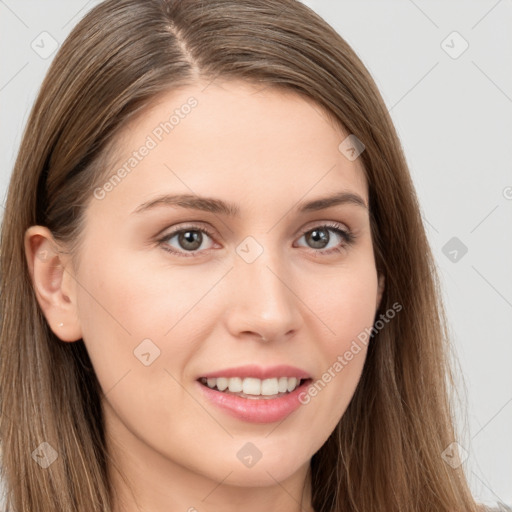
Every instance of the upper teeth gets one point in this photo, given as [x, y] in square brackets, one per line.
[252, 386]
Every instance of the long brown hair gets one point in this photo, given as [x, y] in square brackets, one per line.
[386, 452]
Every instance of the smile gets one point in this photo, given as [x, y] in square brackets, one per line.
[254, 388]
[253, 393]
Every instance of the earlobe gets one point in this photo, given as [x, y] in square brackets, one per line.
[54, 285]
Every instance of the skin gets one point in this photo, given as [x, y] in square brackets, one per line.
[267, 151]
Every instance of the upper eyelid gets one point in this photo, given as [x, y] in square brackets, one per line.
[192, 227]
[203, 226]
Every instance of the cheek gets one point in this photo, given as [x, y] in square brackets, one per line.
[347, 311]
[346, 305]
[135, 339]
[128, 310]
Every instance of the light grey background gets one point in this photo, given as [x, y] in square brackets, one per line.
[453, 114]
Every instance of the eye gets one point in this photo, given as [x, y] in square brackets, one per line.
[189, 240]
[319, 238]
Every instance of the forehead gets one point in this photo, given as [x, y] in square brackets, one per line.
[233, 140]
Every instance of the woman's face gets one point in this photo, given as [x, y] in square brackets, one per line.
[239, 281]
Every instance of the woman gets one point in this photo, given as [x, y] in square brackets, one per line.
[217, 290]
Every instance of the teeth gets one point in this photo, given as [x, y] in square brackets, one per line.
[292, 383]
[252, 386]
[222, 383]
[235, 385]
[269, 387]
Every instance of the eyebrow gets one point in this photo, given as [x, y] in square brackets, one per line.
[218, 206]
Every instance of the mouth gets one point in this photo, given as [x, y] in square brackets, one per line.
[255, 394]
[253, 388]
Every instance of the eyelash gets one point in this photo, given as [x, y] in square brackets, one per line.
[347, 236]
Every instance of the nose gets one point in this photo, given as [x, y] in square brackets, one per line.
[263, 304]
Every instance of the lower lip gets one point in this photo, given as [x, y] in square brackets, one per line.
[259, 410]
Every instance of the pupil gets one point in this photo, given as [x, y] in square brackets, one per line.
[320, 238]
[191, 239]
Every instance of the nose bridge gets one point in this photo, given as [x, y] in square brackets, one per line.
[263, 301]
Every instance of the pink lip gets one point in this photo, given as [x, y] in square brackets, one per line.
[259, 372]
[255, 410]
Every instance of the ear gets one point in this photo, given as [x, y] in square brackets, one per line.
[380, 290]
[54, 284]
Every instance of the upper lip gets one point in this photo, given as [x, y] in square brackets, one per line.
[259, 372]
